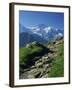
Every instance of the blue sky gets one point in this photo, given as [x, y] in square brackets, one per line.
[32, 18]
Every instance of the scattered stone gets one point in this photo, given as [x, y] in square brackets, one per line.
[37, 74]
[26, 69]
[50, 55]
[34, 42]
[46, 57]
[31, 76]
[33, 71]
[45, 76]
[38, 61]
[36, 58]
[24, 75]
[32, 67]
[27, 45]
[39, 64]
[43, 57]
[46, 66]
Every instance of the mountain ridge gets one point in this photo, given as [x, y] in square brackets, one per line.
[40, 33]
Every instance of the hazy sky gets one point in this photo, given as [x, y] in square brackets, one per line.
[32, 18]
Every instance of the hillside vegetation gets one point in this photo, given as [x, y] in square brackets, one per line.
[57, 69]
[29, 53]
[39, 61]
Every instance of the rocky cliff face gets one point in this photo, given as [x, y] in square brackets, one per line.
[42, 66]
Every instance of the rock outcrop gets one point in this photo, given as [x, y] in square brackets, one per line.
[39, 69]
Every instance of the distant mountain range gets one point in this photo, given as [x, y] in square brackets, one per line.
[40, 33]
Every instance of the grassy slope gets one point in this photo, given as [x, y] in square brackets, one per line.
[28, 53]
[57, 69]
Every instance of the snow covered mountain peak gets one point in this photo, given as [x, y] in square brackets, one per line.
[44, 31]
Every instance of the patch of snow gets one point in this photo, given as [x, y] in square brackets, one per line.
[47, 29]
[38, 33]
[60, 34]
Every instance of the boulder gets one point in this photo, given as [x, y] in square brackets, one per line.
[46, 66]
[38, 65]
[37, 74]
[31, 76]
[27, 45]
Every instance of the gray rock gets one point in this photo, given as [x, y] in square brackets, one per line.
[31, 76]
[40, 64]
[46, 66]
[37, 74]
[32, 67]
[32, 71]
[34, 42]
[46, 57]
[38, 61]
[45, 76]
[27, 45]
[50, 55]
[36, 58]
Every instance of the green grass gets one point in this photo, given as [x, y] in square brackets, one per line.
[57, 69]
[26, 54]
